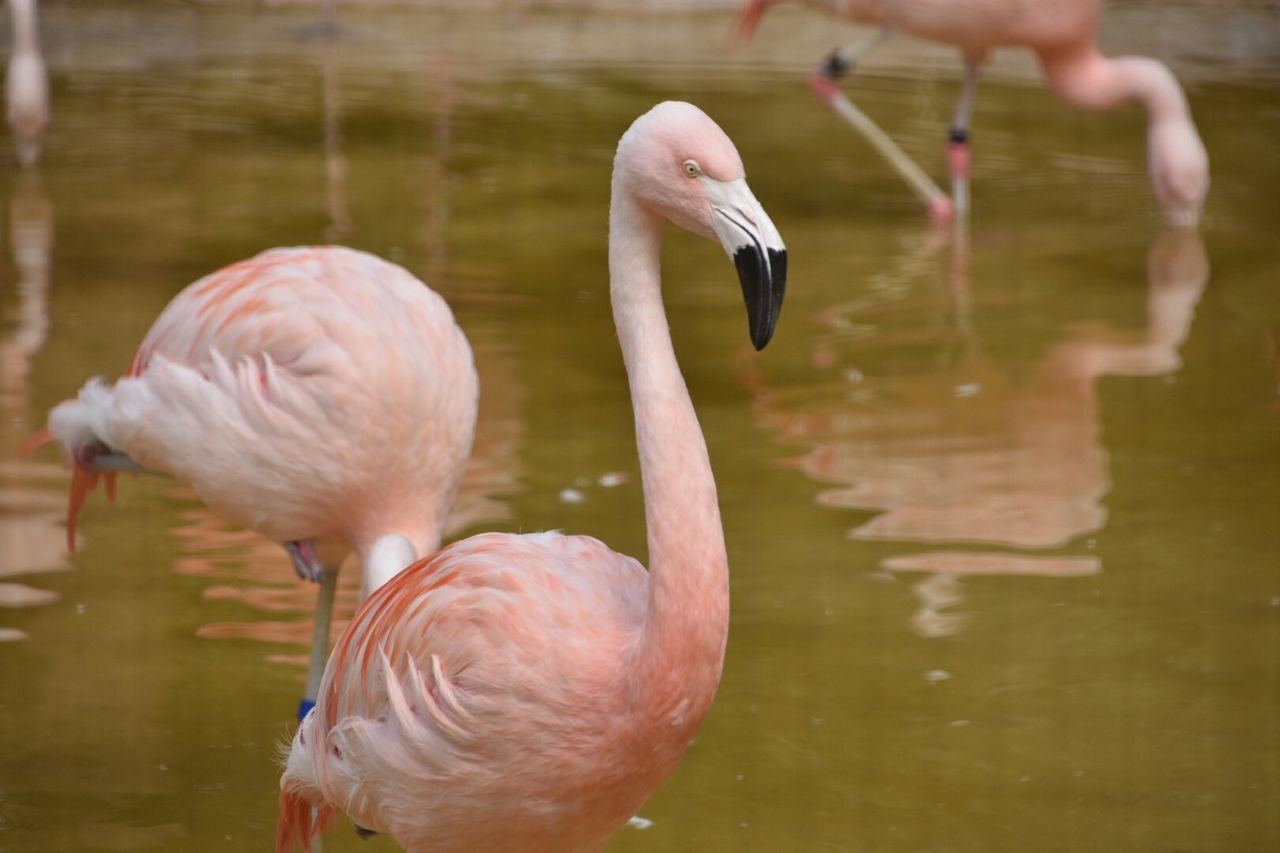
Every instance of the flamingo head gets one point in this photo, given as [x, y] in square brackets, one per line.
[1179, 169]
[679, 165]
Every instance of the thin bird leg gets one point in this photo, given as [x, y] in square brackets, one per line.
[307, 563]
[309, 568]
[319, 640]
[958, 155]
[844, 60]
[823, 84]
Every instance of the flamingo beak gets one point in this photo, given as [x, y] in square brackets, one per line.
[748, 236]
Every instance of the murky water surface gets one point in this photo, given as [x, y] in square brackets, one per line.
[1003, 509]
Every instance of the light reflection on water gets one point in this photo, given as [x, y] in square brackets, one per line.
[933, 419]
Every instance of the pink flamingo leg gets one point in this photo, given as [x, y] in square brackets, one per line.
[958, 154]
[823, 84]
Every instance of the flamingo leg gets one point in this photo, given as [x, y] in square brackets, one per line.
[308, 565]
[823, 84]
[319, 640]
[843, 60]
[958, 154]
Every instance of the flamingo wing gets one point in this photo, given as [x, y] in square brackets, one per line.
[265, 386]
[425, 686]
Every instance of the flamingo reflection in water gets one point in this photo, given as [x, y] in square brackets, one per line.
[964, 455]
[30, 516]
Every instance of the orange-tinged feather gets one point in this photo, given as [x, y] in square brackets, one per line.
[300, 824]
[239, 313]
[382, 610]
[138, 363]
[225, 284]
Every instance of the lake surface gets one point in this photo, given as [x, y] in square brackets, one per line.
[1002, 507]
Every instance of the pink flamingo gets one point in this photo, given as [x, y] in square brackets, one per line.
[321, 396]
[1064, 37]
[27, 84]
[529, 692]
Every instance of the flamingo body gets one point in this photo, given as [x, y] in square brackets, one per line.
[479, 668]
[1064, 37]
[306, 393]
[529, 692]
[977, 25]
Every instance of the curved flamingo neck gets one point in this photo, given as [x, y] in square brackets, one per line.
[22, 13]
[1086, 79]
[386, 549]
[388, 556]
[687, 618]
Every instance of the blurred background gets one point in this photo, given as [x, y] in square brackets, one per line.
[1002, 506]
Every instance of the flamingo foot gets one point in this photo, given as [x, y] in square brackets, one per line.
[305, 561]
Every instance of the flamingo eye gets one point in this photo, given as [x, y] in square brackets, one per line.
[692, 169]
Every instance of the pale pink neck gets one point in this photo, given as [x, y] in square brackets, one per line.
[22, 14]
[385, 551]
[1088, 80]
[687, 619]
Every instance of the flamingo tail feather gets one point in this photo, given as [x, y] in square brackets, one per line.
[300, 823]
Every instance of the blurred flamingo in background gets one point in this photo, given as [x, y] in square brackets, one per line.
[321, 396]
[1064, 37]
[529, 692]
[27, 84]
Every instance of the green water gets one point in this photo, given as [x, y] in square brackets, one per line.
[1003, 509]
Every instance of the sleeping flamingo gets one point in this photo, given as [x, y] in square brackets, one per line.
[27, 84]
[1064, 37]
[321, 396]
[529, 692]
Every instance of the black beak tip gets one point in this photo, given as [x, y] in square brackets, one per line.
[763, 286]
[760, 336]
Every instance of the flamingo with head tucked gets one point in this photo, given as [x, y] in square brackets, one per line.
[1063, 34]
[321, 396]
[529, 692]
